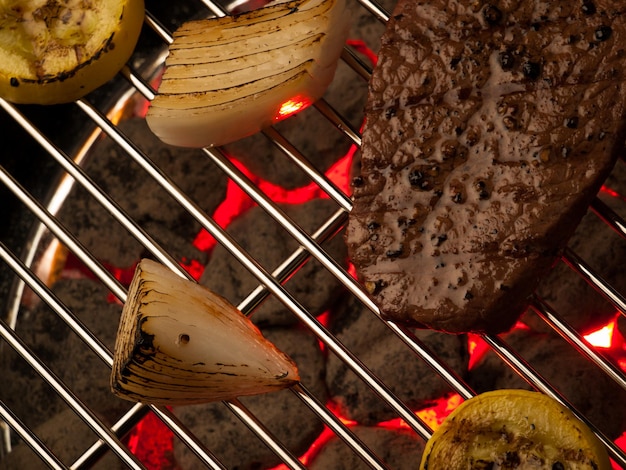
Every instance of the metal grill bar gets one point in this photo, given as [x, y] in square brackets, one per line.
[270, 283]
[121, 428]
[569, 334]
[66, 394]
[580, 267]
[528, 373]
[30, 438]
[94, 344]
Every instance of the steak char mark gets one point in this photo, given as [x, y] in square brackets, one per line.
[490, 126]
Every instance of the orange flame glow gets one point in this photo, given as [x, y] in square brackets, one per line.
[603, 337]
[292, 106]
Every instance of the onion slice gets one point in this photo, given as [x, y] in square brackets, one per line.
[227, 78]
[179, 343]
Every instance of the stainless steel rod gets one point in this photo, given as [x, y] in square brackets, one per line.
[30, 439]
[528, 373]
[83, 411]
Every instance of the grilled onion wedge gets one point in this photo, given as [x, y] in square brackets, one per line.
[56, 51]
[179, 343]
[513, 429]
[227, 78]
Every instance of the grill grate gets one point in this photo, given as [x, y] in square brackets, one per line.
[19, 268]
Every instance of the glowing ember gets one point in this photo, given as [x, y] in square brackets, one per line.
[292, 106]
[237, 202]
[152, 442]
[612, 193]
[433, 416]
[603, 337]
[477, 347]
[362, 48]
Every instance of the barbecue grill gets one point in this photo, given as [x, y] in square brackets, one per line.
[45, 164]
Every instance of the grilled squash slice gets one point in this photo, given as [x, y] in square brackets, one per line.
[56, 51]
[513, 429]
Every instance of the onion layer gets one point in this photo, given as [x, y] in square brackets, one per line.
[227, 78]
[179, 343]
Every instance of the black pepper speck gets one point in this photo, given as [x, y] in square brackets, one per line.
[588, 8]
[531, 70]
[603, 33]
[572, 122]
[357, 181]
[394, 253]
[492, 14]
[506, 60]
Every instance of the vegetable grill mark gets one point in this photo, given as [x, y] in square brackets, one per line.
[144, 343]
[293, 78]
[42, 78]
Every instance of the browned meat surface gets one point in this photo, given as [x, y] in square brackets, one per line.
[490, 126]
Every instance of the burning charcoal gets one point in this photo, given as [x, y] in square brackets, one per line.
[137, 193]
[398, 448]
[65, 353]
[67, 436]
[580, 381]
[265, 161]
[566, 291]
[313, 286]
[569, 294]
[346, 94]
[389, 358]
[282, 412]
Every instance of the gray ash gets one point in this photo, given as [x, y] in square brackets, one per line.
[580, 381]
[143, 199]
[270, 245]
[282, 412]
[406, 375]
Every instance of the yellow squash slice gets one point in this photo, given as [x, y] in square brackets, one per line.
[513, 429]
[56, 51]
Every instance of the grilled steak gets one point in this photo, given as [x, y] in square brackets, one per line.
[490, 125]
